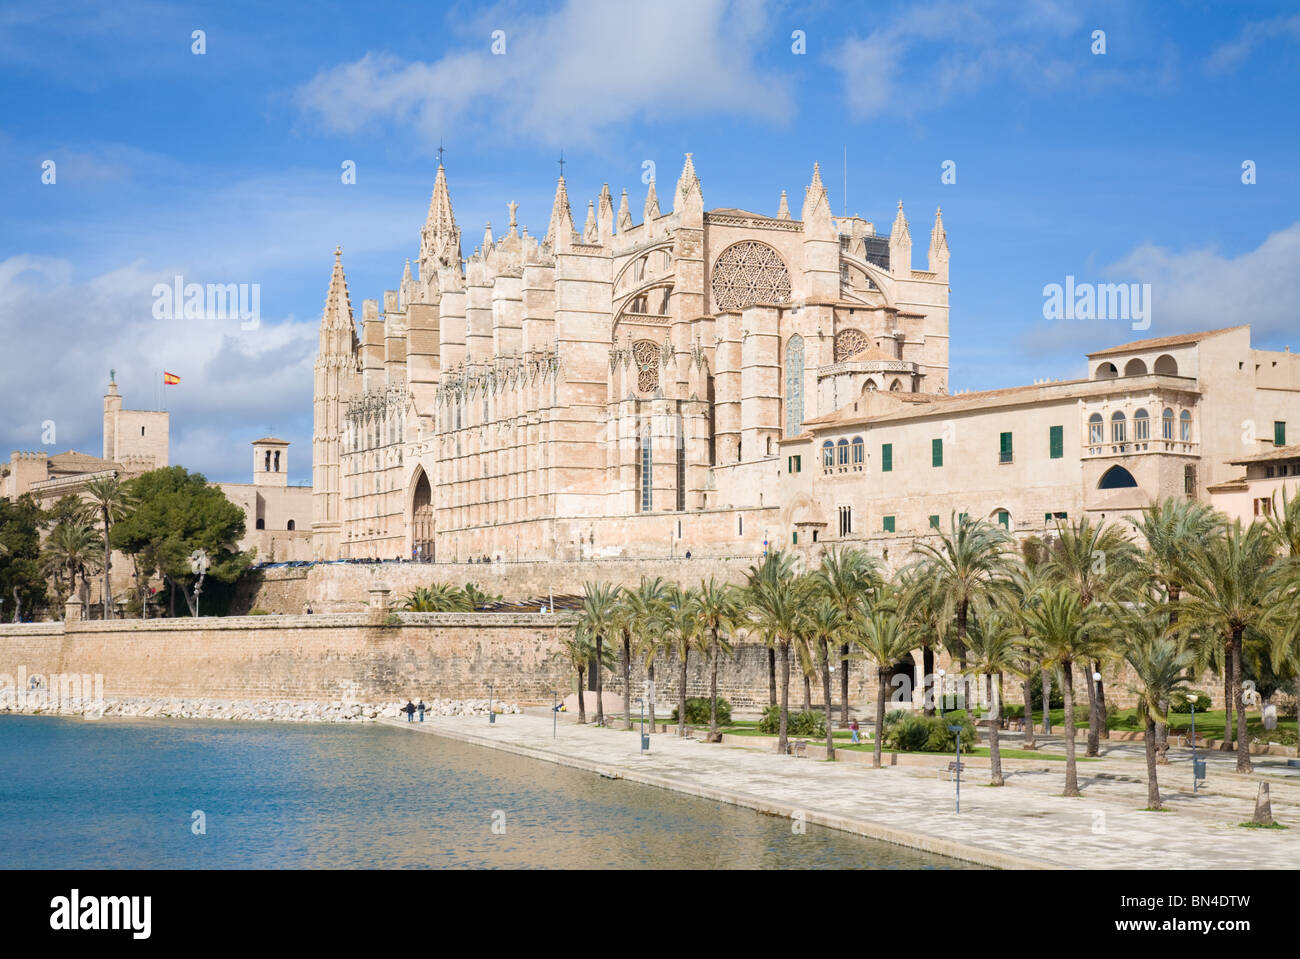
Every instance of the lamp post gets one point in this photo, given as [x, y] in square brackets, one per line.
[1196, 767]
[957, 730]
[1096, 691]
[555, 713]
[492, 716]
[939, 674]
[645, 740]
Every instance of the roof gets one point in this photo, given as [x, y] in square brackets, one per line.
[1163, 341]
[874, 354]
[1270, 456]
[270, 441]
[74, 462]
[1229, 486]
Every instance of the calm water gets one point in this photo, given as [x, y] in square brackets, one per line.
[121, 794]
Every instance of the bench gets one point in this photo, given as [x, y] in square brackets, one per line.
[798, 748]
[955, 767]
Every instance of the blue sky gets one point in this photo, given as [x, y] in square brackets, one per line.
[225, 168]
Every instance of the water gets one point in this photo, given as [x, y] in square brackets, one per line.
[122, 794]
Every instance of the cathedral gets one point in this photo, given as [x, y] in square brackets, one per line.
[610, 389]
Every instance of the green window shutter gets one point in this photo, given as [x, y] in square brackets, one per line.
[934, 521]
[1004, 450]
[889, 524]
[1057, 441]
[794, 538]
[1279, 433]
[961, 517]
[887, 457]
[936, 452]
[1005, 520]
[798, 464]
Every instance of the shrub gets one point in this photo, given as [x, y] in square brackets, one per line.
[1054, 701]
[697, 711]
[930, 734]
[258, 612]
[1179, 703]
[811, 723]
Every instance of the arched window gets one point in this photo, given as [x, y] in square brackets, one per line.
[1107, 371]
[1118, 426]
[1117, 477]
[647, 474]
[1135, 367]
[291, 527]
[842, 453]
[1002, 518]
[1141, 426]
[1185, 425]
[1166, 365]
[1096, 428]
[895, 386]
[266, 468]
[277, 461]
[859, 451]
[1167, 424]
[828, 454]
[261, 524]
[794, 385]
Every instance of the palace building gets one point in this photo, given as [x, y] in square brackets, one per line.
[723, 381]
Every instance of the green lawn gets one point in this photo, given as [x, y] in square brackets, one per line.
[1209, 724]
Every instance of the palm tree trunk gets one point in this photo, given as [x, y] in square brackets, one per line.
[995, 754]
[826, 691]
[807, 691]
[771, 676]
[600, 692]
[713, 689]
[582, 700]
[1067, 690]
[1162, 737]
[1104, 731]
[627, 680]
[1228, 700]
[1028, 695]
[681, 694]
[1153, 787]
[844, 684]
[927, 675]
[783, 741]
[961, 657]
[882, 678]
[1047, 700]
[1093, 721]
[1243, 741]
[108, 555]
[650, 672]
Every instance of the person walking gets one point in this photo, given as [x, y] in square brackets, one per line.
[409, 709]
[853, 728]
[420, 706]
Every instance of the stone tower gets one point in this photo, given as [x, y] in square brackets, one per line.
[270, 462]
[336, 376]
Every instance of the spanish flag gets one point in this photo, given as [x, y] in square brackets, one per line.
[170, 379]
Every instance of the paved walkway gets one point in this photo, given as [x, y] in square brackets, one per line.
[1024, 824]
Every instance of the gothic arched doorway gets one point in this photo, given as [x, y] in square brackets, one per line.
[422, 547]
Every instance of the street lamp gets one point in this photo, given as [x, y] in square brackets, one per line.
[1096, 691]
[1198, 768]
[645, 740]
[555, 713]
[939, 674]
[957, 766]
[492, 716]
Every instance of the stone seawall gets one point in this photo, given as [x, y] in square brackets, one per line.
[351, 656]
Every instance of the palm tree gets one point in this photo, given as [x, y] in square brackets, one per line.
[1058, 625]
[718, 610]
[1227, 584]
[844, 575]
[437, 598]
[1098, 562]
[826, 622]
[881, 635]
[681, 631]
[777, 598]
[1163, 666]
[579, 648]
[642, 635]
[111, 500]
[599, 615]
[69, 548]
[996, 648]
[922, 612]
[1170, 527]
[970, 563]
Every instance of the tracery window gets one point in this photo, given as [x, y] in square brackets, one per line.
[794, 385]
[749, 272]
[849, 343]
[646, 356]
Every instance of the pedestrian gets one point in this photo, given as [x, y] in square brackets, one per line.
[853, 728]
[409, 709]
[420, 707]
[309, 609]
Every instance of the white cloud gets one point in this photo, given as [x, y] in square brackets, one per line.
[1228, 55]
[234, 384]
[566, 75]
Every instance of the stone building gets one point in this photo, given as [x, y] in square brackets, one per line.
[621, 388]
[277, 516]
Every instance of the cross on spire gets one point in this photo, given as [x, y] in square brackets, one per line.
[440, 151]
[561, 162]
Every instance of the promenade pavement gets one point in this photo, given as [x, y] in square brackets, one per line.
[1025, 823]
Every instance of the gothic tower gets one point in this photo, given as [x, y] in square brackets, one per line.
[336, 373]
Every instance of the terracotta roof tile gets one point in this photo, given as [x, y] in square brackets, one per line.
[1161, 341]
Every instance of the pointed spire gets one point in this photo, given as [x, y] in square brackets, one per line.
[900, 224]
[338, 332]
[651, 202]
[816, 214]
[590, 231]
[605, 213]
[407, 286]
[689, 192]
[560, 230]
[938, 242]
[488, 244]
[900, 245]
[624, 216]
[783, 209]
[440, 238]
[512, 206]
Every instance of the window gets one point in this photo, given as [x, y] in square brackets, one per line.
[934, 521]
[266, 467]
[1005, 451]
[1279, 433]
[1141, 426]
[291, 527]
[740, 526]
[828, 455]
[1056, 442]
[1004, 519]
[1096, 429]
[1264, 507]
[936, 452]
[793, 464]
[889, 524]
[1048, 518]
[1185, 425]
[846, 520]
[842, 453]
[887, 457]
[647, 475]
[794, 538]
[681, 470]
[1189, 480]
[1167, 424]
[1118, 427]
[261, 524]
[277, 461]
[859, 452]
